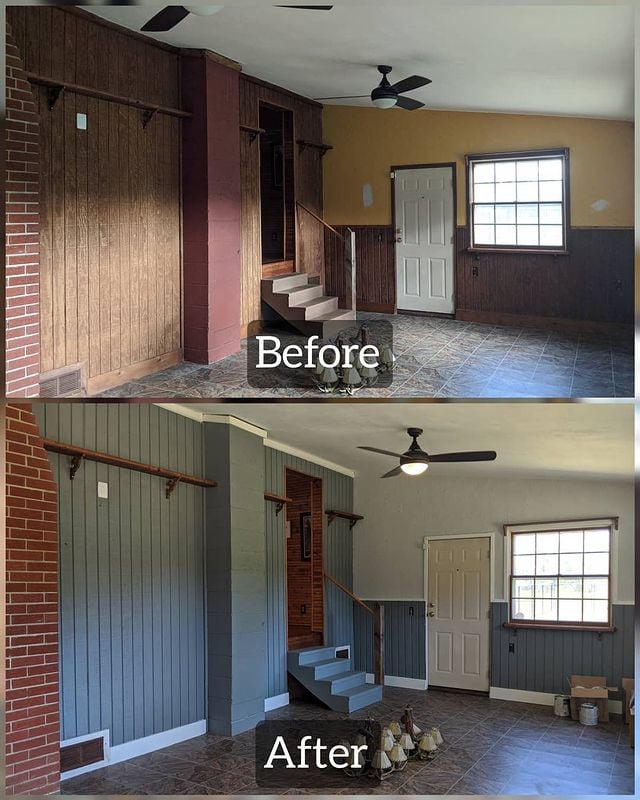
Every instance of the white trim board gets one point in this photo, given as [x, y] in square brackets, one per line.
[538, 698]
[104, 735]
[321, 462]
[400, 682]
[137, 747]
[277, 701]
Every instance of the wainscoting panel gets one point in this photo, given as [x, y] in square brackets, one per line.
[131, 573]
[405, 645]
[338, 562]
[543, 660]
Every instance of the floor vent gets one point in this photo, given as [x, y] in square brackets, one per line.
[81, 754]
[64, 382]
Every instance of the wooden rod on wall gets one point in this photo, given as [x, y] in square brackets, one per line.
[79, 453]
[101, 95]
[348, 593]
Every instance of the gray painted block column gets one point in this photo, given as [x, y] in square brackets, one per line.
[236, 579]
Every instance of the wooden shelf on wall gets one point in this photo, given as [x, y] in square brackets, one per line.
[280, 500]
[323, 148]
[80, 454]
[353, 518]
[253, 132]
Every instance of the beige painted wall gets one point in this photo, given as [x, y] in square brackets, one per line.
[388, 555]
[368, 141]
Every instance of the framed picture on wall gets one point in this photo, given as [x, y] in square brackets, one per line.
[305, 536]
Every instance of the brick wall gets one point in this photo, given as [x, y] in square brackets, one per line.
[22, 231]
[32, 684]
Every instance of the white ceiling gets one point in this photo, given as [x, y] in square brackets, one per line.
[549, 440]
[572, 59]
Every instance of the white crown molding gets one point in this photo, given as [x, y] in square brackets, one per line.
[321, 462]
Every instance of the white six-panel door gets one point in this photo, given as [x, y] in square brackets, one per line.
[424, 239]
[458, 597]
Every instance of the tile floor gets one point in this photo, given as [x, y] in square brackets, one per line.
[491, 747]
[440, 358]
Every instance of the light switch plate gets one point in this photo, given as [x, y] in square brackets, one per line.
[81, 122]
[103, 490]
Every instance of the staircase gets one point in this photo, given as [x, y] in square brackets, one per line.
[331, 679]
[305, 305]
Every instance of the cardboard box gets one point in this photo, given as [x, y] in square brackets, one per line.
[591, 688]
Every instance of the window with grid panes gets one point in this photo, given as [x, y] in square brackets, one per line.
[561, 577]
[517, 201]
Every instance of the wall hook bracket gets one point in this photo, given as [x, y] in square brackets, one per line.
[53, 93]
[147, 115]
[171, 485]
[76, 461]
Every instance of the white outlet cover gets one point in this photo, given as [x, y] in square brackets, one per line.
[81, 122]
[103, 490]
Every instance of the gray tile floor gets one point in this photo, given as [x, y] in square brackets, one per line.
[491, 747]
[440, 358]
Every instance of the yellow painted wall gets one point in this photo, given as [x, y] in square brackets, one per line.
[367, 141]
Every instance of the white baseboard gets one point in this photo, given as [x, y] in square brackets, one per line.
[279, 700]
[137, 747]
[104, 735]
[402, 683]
[538, 698]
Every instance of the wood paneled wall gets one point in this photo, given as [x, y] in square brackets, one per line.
[307, 125]
[110, 195]
[593, 283]
[299, 593]
[375, 268]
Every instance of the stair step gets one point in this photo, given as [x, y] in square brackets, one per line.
[284, 282]
[299, 295]
[318, 306]
[345, 680]
[307, 655]
[358, 697]
[332, 666]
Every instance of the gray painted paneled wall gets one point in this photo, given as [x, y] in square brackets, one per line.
[338, 561]
[131, 572]
[543, 659]
[405, 629]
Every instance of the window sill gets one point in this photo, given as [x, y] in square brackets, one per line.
[541, 626]
[517, 251]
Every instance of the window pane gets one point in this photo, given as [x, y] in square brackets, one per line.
[524, 565]
[571, 564]
[546, 588]
[596, 563]
[546, 543]
[596, 588]
[483, 193]
[596, 611]
[570, 588]
[550, 190]
[524, 543]
[528, 214]
[506, 234]
[506, 171]
[483, 214]
[483, 173]
[551, 235]
[596, 541]
[547, 564]
[570, 542]
[528, 234]
[551, 214]
[483, 234]
[505, 215]
[546, 609]
[528, 192]
[522, 609]
[550, 169]
[505, 192]
[523, 587]
[527, 170]
[570, 610]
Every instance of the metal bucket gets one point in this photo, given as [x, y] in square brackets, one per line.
[588, 714]
[561, 705]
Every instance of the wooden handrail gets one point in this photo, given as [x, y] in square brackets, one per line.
[344, 589]
[319, 219]
[78, 454]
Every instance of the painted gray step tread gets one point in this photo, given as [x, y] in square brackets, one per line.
[342, 675]
[356, 691]
[326, 662]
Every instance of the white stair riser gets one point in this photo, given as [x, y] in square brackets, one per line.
[304, 295]
[289, 281]
[319, 309]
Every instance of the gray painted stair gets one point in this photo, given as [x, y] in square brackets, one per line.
[305, 305]
[332, 680]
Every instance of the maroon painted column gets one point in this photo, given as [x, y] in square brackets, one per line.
[211, 200]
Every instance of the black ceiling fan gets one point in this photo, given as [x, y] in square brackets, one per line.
[415, 461]
[170, 16]
[387, 95]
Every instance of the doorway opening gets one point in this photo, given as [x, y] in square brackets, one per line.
[304, 554]
[277, 197]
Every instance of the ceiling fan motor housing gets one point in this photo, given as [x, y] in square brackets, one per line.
[384, 90]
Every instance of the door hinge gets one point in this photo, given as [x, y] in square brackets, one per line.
[392, 175]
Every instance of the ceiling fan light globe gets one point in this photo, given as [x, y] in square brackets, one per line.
[414, 467]
[384, 102]
[203, 11]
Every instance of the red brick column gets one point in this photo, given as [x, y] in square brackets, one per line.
[22, 231]
[211, 200]
[32, 682]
